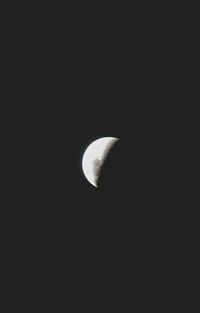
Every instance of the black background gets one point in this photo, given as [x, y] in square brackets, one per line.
[95, 82]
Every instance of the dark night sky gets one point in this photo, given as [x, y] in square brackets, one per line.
[128, 99]
[98, 84]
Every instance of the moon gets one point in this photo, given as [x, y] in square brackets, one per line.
[94, 157]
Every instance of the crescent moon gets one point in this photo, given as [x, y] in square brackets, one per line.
[94, 157]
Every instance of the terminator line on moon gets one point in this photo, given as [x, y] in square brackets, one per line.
[94, 157]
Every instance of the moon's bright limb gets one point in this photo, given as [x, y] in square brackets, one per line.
[94, 157]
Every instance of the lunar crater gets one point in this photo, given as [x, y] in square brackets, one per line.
[96, 167]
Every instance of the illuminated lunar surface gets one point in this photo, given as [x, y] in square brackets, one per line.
[94, 157]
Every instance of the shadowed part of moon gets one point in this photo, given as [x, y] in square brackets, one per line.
[112, 174]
